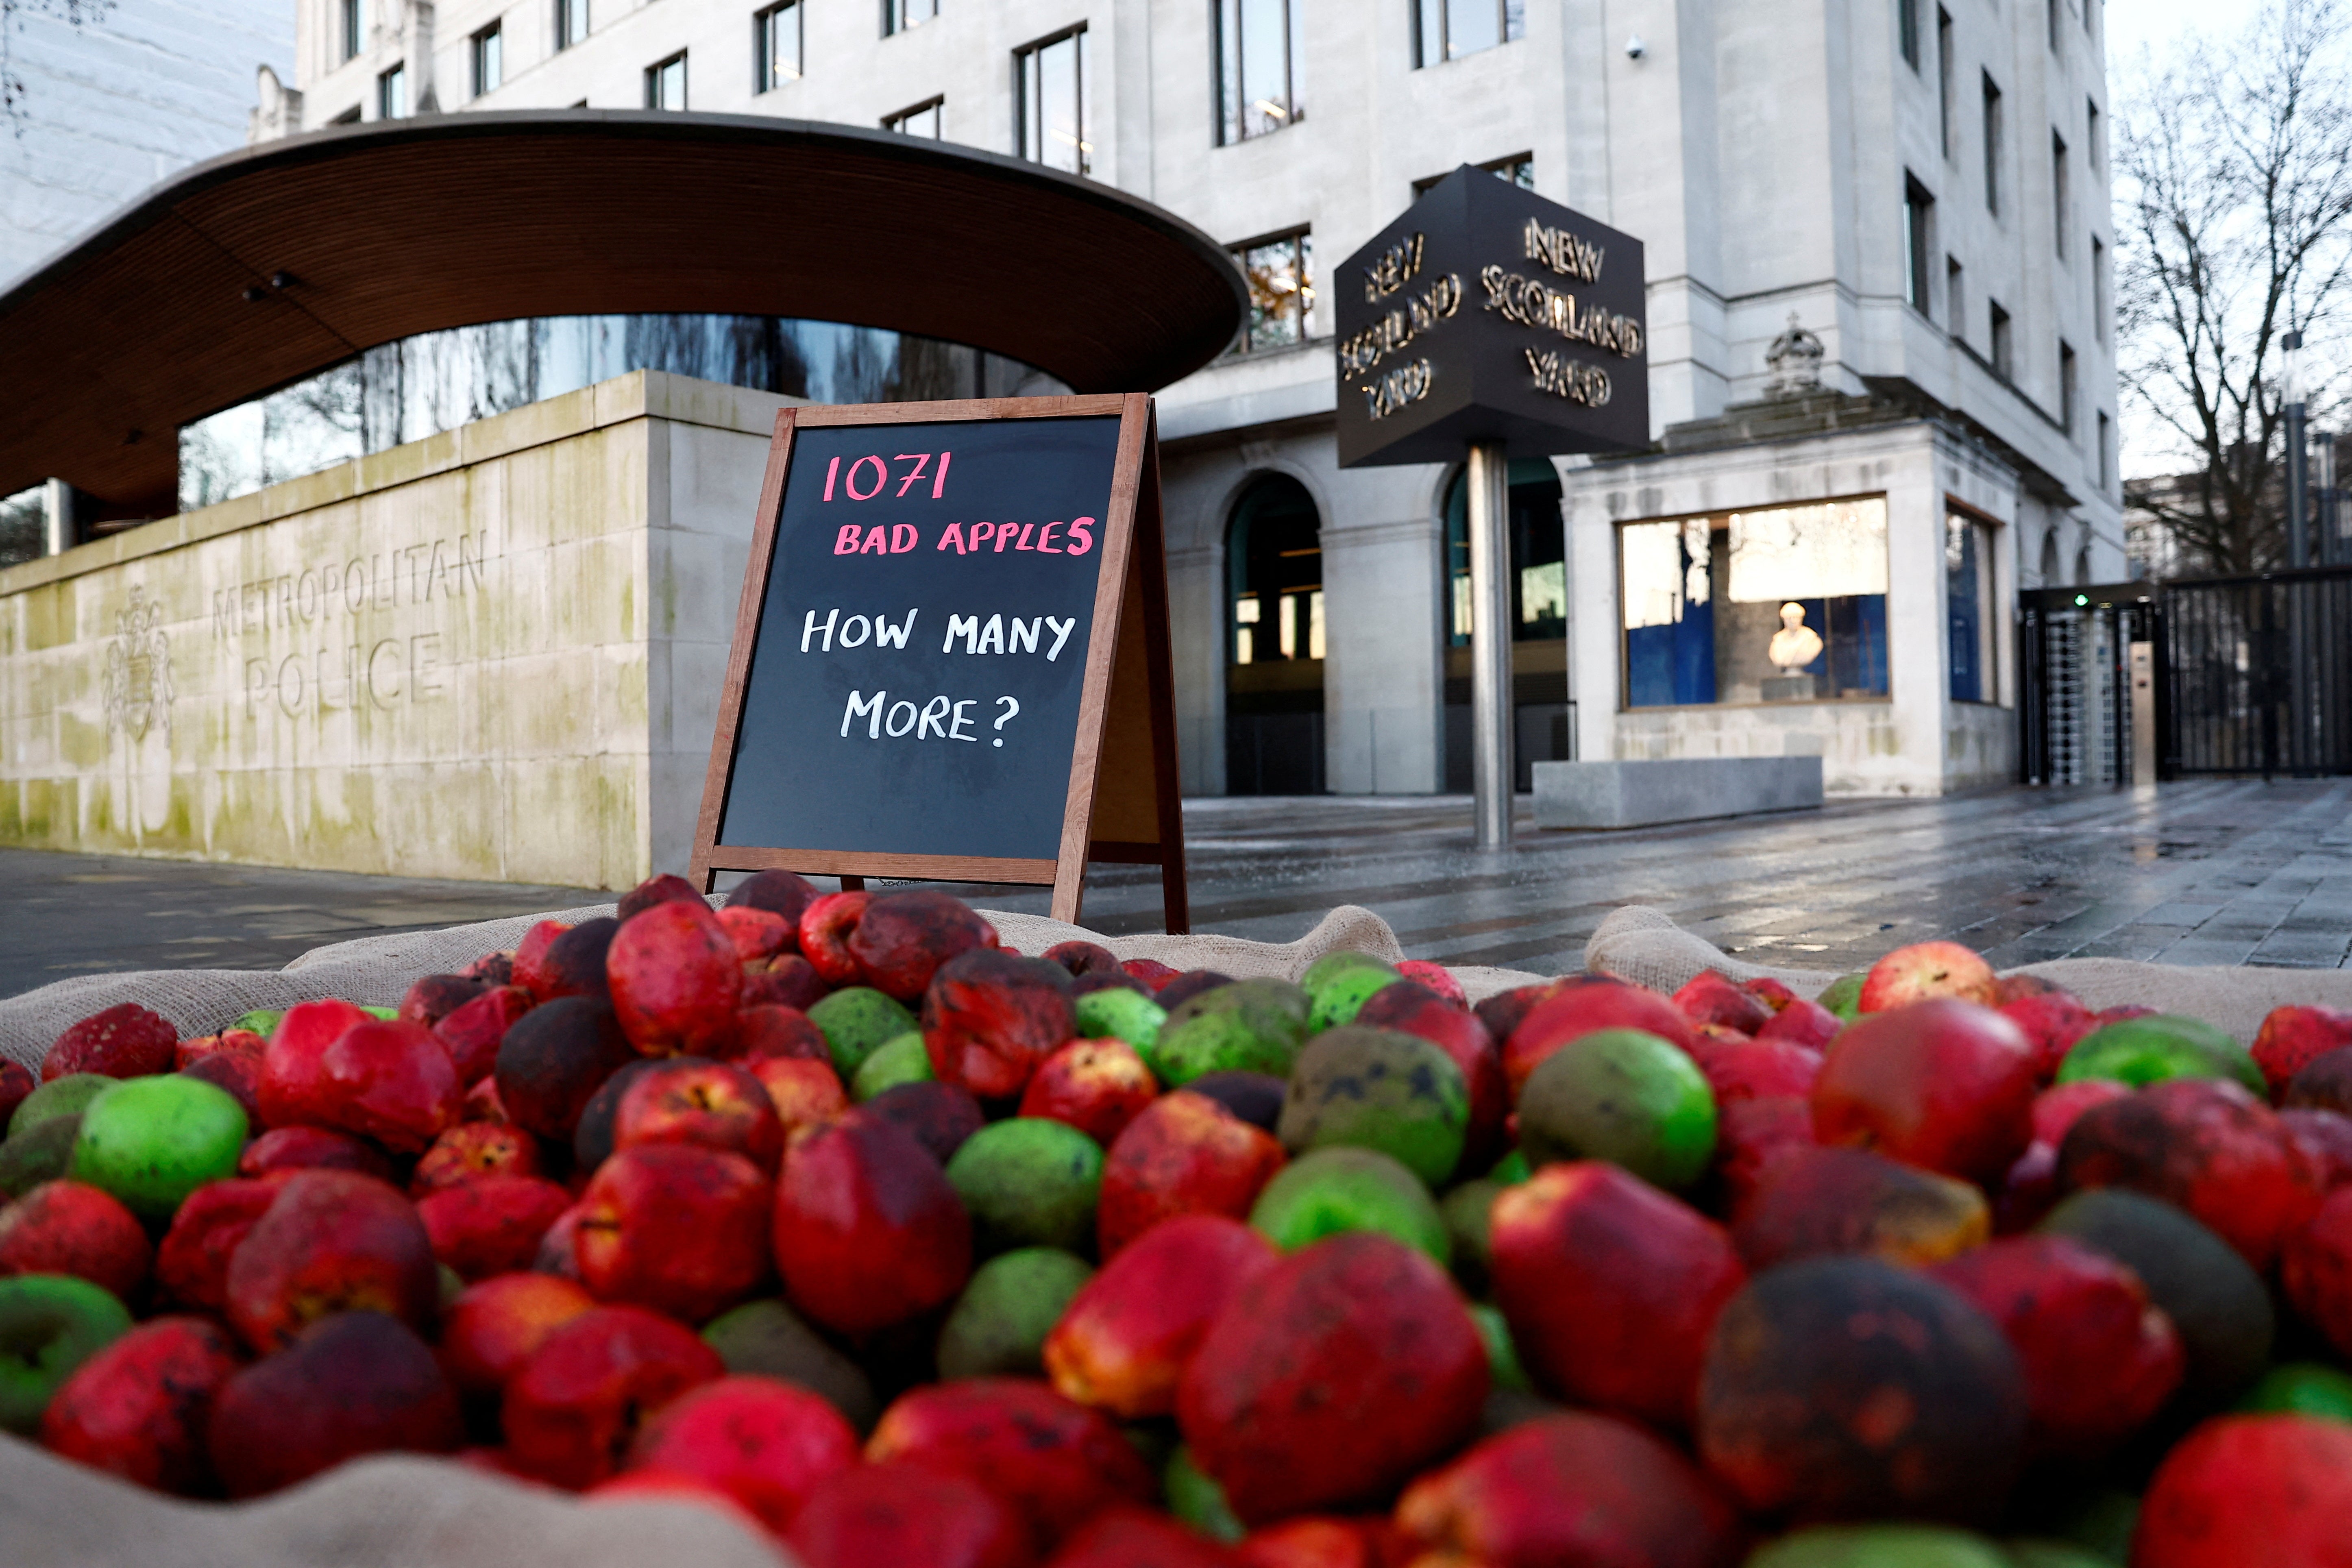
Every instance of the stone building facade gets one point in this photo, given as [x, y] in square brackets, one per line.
[1881, 375]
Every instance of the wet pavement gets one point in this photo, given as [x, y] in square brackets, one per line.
[2201, 872]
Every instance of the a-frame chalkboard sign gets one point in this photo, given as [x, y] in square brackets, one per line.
[952, 658]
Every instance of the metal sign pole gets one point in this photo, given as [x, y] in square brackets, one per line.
[1488, 483]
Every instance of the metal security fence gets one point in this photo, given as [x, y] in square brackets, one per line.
[2257, 672]
[2197, 677]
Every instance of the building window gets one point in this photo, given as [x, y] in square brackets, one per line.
[487, 52]
[923, 119]
[1944, 79]
[2106, 452]
[1782, 606]
[1906, 31]
[2098, 289]
[1050, 77]
[2059, 217]
[571, 22]
[1448, 29]
[1969, 607]
[392, 94]
[2003, 366]
[1956, 310]
[1538, 573]
[898, 16]
[1279, 270]
[1518, 169]
[351, 28]
[776, 46]
[2057, 9]
[2067, 386]
[1259, 49]
[1274, 560]
[665, 83]
[2094, 144]
[1992, 146]
[1918, 242]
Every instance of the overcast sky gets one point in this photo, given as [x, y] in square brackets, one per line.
[2134, 23]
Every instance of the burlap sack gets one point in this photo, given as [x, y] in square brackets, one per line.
[399, 1511]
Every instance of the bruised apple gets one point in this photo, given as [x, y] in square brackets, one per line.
[356, 1383]
[681, 1229]
[330, 1242]
[1055, 1461]
[990, 1017]
[575, 1407]
[868, 1231]
[1185, 1154]
[139, 1407]
[901, 939]
[676, 980]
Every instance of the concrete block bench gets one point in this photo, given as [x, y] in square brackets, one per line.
[1686, 789]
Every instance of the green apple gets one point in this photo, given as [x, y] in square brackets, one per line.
[890, 1063]
[151, 1141]
[66, 1096]
[1116, 1013]
[2142, 1051]
[49, 1324]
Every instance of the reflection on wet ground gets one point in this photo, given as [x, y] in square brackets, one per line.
[2202, 872]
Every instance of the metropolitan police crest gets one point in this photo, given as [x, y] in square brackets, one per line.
[138, 678]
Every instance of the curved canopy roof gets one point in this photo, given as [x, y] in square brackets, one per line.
[376, 232]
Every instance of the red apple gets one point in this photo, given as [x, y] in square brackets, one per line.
[470, 1033]
[1125, 1536]
[1710, 998]
[124, 1041]
[2291, 1038]
[1941, 1084]
[1185, 1154]
[2207, 1146]
[1572, 1489]
[494, 1326]
[312, 1147]
[2247, 1489]
[331, 1241]
[2053, 1021]
[675, 981]
[802, 1091]
[192, 1262]
[1756, 1069]
[68, 1228]
[186, 1054]
[2316, 1271]
[572, 1410]
[990, 1017]
[433, 997]
[824, 928]
[765, 1442]
[868, 1231]
[1150, 971]
[1124, 1339]
[139, 1407]
[1611, 1288]
[784, 893]
[2325, 1140]
[382, 1079]
[758, 934]
[902, 937]
[765, 1029]
[17, 1086]
[1801, 1023]
[678, 1229]
[1332, 1378]
[664, 887]
[2099, 1359]
[1095, 1085]
[472, 1150]
[1055, 1461]
[1926, 970]
[492, 1225]
[787, 980]
[1438, 978]
[235, 1073]
[357, 1382]
[1753, 1137]
[909, 1516]
[709, 1104]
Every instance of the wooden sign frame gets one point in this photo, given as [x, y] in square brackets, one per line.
[1124, 806]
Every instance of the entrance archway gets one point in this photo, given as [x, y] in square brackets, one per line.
[1273, 641]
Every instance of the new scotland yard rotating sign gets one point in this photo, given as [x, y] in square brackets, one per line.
[1487, 313]
[951, 660]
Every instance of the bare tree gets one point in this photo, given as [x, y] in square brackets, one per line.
[77, 14]
[2234, 210]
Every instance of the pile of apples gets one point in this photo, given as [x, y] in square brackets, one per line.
[827, 1212]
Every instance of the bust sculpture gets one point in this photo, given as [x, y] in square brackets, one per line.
[1795, 361]
[1795, 645]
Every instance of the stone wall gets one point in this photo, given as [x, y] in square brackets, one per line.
[493, 654]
